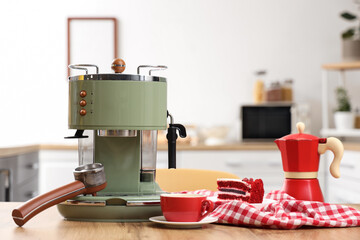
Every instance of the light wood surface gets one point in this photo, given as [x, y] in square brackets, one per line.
[243, 146]
[50, 225]
[352, 146]
[224, 147]
[13, 151]
[342, 66]
[58, 147]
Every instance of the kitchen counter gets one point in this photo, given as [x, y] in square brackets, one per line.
[224, 147]
[13, 151]
[188, 147]
[50, 225]
[6, 152]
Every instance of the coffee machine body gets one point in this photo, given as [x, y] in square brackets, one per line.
[122, 114]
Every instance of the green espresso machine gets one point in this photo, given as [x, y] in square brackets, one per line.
[117, 117]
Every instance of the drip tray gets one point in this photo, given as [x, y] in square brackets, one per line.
[111, 208]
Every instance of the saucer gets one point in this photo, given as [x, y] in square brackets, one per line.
[162, 220]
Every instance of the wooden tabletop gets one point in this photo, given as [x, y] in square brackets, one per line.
[50, 225]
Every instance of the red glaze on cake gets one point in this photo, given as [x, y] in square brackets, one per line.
[247, 190]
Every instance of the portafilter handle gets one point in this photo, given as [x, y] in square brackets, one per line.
[89, 179]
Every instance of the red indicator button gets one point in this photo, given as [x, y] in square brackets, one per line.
[82, 103]
[82, 112]
[83, 93]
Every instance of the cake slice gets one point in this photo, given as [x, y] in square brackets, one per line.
[247, 190]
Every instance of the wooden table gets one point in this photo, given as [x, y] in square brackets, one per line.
[50, 225]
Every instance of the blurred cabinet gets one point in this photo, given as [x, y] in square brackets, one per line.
[4, 185]
[251, 164]
[56, 168]
[162, 159]
[264, 164]
[19, 177]
[346, 188]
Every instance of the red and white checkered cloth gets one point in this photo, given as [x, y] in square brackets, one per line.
[285, 213]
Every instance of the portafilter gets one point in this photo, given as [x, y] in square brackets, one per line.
[89, 179]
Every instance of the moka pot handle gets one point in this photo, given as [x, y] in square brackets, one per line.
[336, 146]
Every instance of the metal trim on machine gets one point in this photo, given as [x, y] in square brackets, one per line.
[117, 133]
[117, 77]
[142, 203]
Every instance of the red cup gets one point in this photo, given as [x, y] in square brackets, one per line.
[185, 207]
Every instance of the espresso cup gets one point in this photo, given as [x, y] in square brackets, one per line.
[185, 207]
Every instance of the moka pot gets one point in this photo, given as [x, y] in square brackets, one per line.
[300, 155]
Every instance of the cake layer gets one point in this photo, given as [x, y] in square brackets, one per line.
[233, 190]
[247, 190]
[232, 196]
[233, 183]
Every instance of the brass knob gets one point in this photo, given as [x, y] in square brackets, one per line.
[83, 93]
[82, 112]
[118, 65]
[82, 103]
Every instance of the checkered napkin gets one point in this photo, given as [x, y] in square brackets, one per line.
[285, 213]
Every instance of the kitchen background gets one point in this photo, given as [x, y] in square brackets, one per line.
[212, 49]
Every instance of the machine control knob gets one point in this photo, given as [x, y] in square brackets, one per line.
[82, 112]
[83, 93]
[118, 65]
[82, 103]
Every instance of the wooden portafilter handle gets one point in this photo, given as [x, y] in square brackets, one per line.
[90, 179]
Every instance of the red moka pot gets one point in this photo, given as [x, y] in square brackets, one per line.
[300, 155]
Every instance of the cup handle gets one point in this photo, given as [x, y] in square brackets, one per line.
[207, 207]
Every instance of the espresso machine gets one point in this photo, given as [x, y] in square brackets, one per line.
[116, 117]
[300, 155]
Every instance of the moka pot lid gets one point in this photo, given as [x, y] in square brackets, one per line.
[300, 136]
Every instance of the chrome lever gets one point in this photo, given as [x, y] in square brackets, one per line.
[84, 67]
[154, 68]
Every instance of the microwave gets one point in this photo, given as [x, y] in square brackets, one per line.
[267, 121]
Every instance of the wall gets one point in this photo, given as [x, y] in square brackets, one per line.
[211, 47]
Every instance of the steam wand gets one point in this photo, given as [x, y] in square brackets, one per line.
[171, 137]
